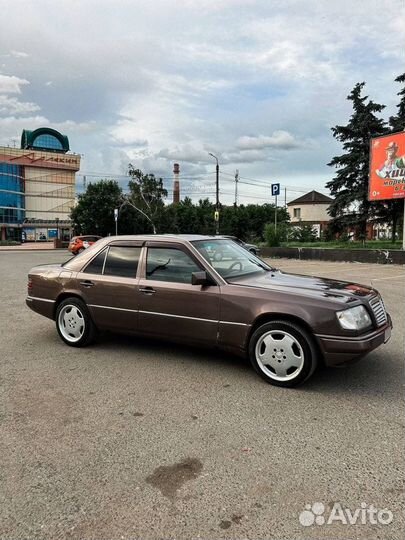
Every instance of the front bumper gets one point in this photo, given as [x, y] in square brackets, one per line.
[339, 350]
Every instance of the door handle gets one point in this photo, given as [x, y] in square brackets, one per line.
[87, 283]
[147, 290]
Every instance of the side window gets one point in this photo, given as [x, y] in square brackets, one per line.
[96, 265]
[122, 261]
[170, 264]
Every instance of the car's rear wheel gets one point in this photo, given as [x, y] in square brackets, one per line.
[74, 323]
[283, 353]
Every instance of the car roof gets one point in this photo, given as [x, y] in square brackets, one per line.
[182, 237]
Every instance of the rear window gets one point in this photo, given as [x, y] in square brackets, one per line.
[122, 261]
[97, 264]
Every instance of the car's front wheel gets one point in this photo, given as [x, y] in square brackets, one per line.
[283, 353]
[74, 323]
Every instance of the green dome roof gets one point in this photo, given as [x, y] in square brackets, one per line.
[47, 139]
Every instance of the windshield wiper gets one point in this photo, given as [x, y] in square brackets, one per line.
[261, 265]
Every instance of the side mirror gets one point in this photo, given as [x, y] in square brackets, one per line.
[200, 278]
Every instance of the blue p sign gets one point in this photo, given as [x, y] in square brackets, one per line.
[275, 189]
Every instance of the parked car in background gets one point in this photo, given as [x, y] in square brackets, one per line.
[79, 243]
[250, 247]
[171, 287]
[221, 251]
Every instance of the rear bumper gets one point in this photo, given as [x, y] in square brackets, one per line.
[339, 350]
[42, 306]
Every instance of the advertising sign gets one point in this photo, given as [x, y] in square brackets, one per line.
[41, 234]
[29, 234]
[52, 234]
[387, 167]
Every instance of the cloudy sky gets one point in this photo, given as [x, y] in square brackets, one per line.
[257, 82]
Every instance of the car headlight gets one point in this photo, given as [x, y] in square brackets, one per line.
[355, 318]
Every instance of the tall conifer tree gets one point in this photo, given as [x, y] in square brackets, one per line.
[349, 187]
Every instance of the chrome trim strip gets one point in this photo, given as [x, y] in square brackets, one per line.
[168, 315]
[110, 307]
[40, 299]
[237, 323]
[178, 316]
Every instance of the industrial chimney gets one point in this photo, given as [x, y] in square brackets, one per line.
[176, 183]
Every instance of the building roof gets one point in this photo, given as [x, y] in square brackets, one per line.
[312, 197]
[41, 139]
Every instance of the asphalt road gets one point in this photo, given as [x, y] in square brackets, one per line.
[135, 439]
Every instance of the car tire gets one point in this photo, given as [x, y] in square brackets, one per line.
[74, 323]
[283, 353]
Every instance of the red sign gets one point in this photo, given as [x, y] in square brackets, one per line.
[387, 167]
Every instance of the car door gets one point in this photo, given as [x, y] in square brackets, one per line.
[109, 286]
[169, 305]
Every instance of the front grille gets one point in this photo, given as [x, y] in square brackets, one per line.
[377, 305]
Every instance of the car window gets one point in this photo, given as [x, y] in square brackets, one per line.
[170, 264]
[229, 259]
[96, 265]
[122, 261]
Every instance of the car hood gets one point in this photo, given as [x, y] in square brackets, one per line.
[306, 285]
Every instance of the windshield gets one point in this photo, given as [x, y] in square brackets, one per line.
[229, 259]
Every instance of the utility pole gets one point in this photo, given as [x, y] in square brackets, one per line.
[217, 195]
[236, 187]
[285, 198]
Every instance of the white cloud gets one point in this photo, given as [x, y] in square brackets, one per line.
[11, 84]
[19, 54]
[11, 105]
[282, 140]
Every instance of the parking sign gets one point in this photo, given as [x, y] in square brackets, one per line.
[275, 189]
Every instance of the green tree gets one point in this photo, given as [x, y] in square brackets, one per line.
[304, 232]
[94, 212]
[274, 236]
[350, 184]
[397, 122]
[146, 194]
[187, 217]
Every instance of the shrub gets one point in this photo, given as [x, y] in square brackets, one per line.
[274, 236]
[9, 243]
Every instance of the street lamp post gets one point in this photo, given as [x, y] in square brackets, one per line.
[217, 194]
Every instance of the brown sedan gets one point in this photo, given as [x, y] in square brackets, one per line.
[176, 288]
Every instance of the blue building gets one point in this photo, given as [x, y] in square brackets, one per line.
[12, 199]
[37, 186]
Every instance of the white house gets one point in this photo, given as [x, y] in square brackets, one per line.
[310, 209]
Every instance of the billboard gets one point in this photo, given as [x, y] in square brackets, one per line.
[387, 167]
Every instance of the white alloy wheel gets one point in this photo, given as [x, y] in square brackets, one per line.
[279, 355]
[71, 323]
